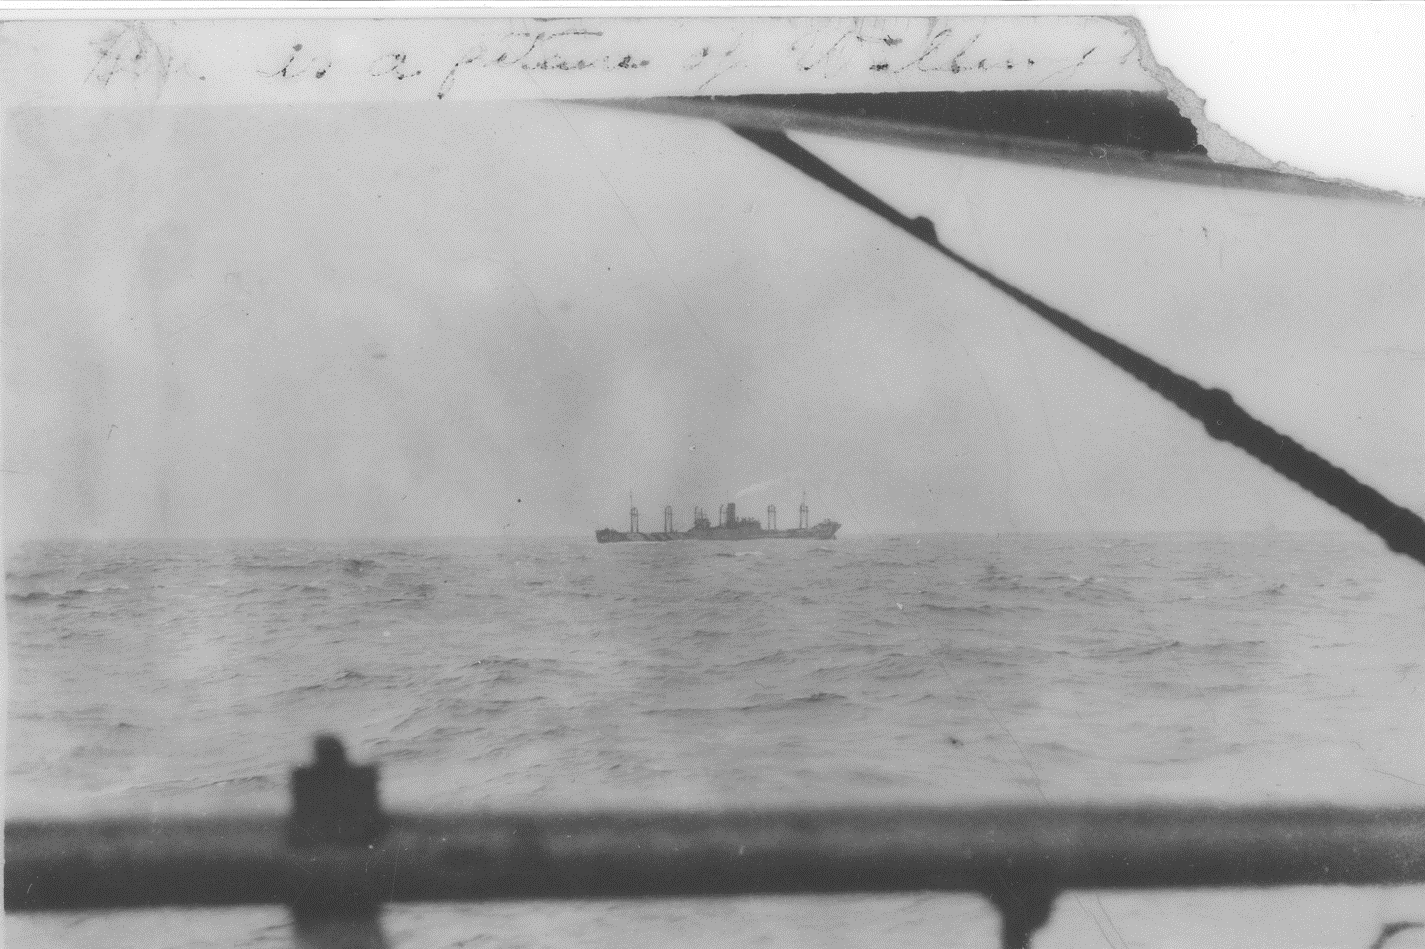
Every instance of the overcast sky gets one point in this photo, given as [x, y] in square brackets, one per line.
[486, 319]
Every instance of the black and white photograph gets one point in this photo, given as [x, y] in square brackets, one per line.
[746, 477]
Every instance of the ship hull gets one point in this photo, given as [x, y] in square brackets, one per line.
[823, 531]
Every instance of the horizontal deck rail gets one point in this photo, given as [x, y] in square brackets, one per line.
[491, 856]
[342, 855]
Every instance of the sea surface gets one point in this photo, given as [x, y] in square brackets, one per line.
[188, 677]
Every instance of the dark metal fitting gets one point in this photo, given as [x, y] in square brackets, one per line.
[333, 801]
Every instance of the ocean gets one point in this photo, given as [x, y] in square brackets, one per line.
[180, 677]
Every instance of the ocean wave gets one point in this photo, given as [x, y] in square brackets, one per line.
[1225, 688]
[71, 594]
[1232, 644]
[1262, 595]
[434, 733]
[308, 588]
[897, 667]
[1096, 591]
[806, 662]
[346, 679]
[195, 784]
[33, 574]
[1060, 578]
[274, 567]
[33, 596]
[815, 698]
[724, 596]
[1147, 649]
[504, 662]
[777, 657]
[768, 705]
[980, 609]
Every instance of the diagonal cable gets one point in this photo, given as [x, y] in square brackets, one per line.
[1401, 528]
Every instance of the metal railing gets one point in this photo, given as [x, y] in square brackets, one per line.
[339, 856]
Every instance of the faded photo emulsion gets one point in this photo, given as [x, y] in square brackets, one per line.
[697, 481]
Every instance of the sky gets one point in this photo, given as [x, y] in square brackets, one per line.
[486, 319]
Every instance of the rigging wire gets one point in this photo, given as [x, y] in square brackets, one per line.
[1401, 528]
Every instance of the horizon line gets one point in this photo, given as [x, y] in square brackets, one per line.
[276, 538]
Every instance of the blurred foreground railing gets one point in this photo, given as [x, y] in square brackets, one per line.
[337, 855]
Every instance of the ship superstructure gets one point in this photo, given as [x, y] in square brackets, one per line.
[729, 526]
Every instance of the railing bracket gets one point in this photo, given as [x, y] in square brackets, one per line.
[1023, 909]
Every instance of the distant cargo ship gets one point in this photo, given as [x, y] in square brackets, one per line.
[728, 527]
